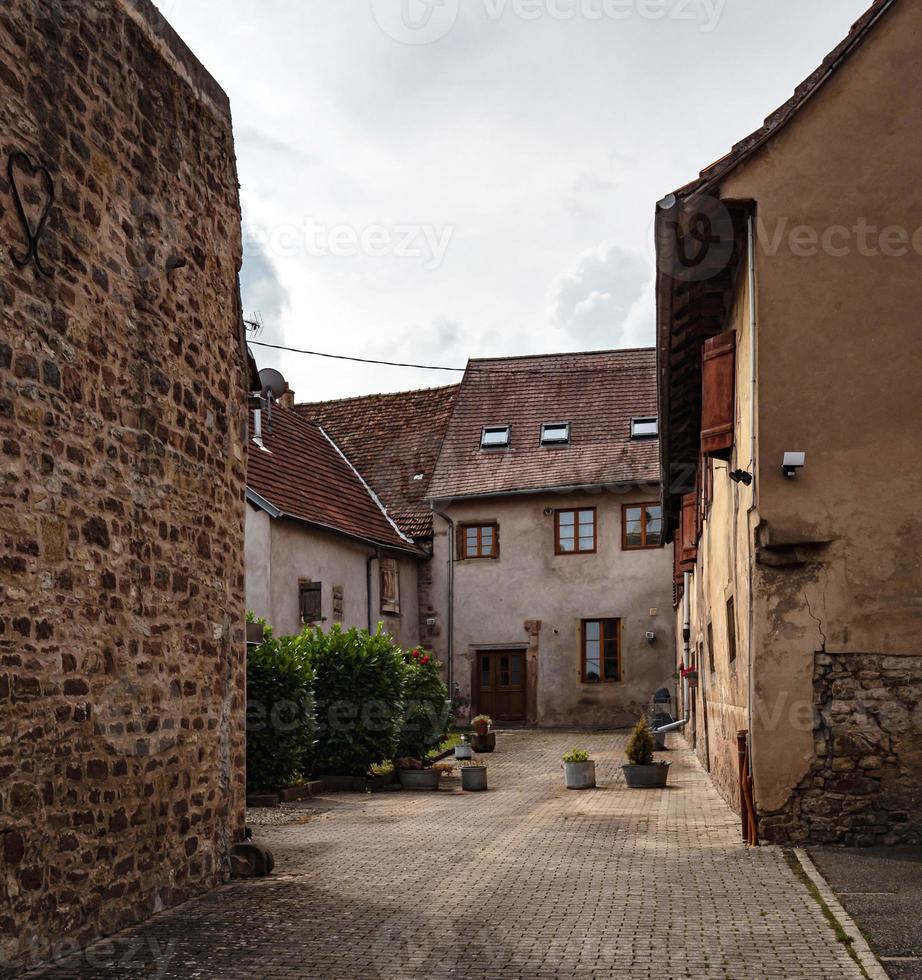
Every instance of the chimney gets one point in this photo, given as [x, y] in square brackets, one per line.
[287, 398]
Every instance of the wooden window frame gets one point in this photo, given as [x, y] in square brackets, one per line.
[712, 662]
[461, 543]
[390, 604]
[602, 621]
[643, 526]
[316, 588]
[732, 652]
[576, 511]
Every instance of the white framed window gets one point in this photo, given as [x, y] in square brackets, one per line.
[495, 436]
[645, 427]
[555, 434]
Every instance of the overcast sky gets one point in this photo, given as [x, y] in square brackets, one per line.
[432, 180]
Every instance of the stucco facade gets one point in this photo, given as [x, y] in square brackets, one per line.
[533, 600]
[833, 627]
[281, 553]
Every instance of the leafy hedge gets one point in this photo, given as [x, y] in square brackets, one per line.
[427, 715]
[358, 692]
[338, 703]
[280, 718]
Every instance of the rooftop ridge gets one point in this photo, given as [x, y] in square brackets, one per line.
[379, 394]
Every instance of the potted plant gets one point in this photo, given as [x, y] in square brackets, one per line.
[579, 770]
[690, 674]
[483, 739]
[463, 750]
[642, 771]
[414, 774]
[474, 776]
[481, 724]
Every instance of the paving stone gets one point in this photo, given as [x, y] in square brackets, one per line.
[526, 881]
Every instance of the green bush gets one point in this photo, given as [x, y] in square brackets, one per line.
[427, 716]
[358, 697]
[279, 721]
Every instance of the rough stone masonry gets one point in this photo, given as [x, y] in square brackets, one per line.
[122, 461]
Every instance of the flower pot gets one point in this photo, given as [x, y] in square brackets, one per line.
[474, 779]
[580, 775]
[484, 743]
[419, 778]
[464, 752]
[646, 777]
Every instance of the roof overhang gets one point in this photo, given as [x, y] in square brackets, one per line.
[275, 513]
[619, 486]
[700, 242]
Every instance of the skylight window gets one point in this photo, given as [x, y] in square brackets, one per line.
[645, 427]
[555, 434]
[495, 437]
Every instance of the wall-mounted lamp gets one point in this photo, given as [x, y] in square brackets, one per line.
[651, 638]
[792, 463]
[742, 476]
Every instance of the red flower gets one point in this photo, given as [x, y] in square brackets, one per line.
[416, 654]
[425, 660]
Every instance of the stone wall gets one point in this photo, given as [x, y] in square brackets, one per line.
[122, 464]
[865, 785]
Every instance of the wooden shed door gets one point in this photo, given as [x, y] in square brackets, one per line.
[501, 685]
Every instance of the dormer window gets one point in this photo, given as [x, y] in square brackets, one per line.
[645, 427]
[495, 437]
[555, 434]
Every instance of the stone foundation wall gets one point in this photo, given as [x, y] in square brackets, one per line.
[122, 462]
[865, 785]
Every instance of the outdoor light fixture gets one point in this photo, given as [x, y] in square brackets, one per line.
[651, 638]
[792, 463]
[742, 476]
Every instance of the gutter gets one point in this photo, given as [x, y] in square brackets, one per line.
[534, 491]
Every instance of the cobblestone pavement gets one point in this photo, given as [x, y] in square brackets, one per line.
[527, 881]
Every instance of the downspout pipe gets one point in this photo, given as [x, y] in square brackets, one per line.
[677, 726]
[450, 652]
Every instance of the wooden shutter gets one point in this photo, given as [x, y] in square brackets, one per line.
[311, 601]
[689, 553]
[718, 395]
[390, 587]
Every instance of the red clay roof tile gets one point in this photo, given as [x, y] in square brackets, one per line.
[391, 439]
[306, 477]
[598, 393]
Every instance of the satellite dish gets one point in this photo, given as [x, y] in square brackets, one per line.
[272, 383]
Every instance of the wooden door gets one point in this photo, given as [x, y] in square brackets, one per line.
[500, 684]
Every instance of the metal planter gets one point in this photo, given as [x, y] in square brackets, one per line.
[579, 775]
[474, 779]
[646, 777]
[420, 779]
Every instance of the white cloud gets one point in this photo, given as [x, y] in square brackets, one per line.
[600, 302]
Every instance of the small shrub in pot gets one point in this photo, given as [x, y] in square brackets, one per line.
[642, 771]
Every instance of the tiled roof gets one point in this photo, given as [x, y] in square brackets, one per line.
[306, 477]
[391, 439]
[598, 393]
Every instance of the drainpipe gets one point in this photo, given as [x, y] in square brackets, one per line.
[677, 726]
[753, 321]
[372, 558]
[451, 600]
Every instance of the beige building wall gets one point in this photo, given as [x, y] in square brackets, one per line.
[535, 600]
[837, 614]
[720, 704]
[280, 553]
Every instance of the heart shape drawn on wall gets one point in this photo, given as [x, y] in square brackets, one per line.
[21, 162]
